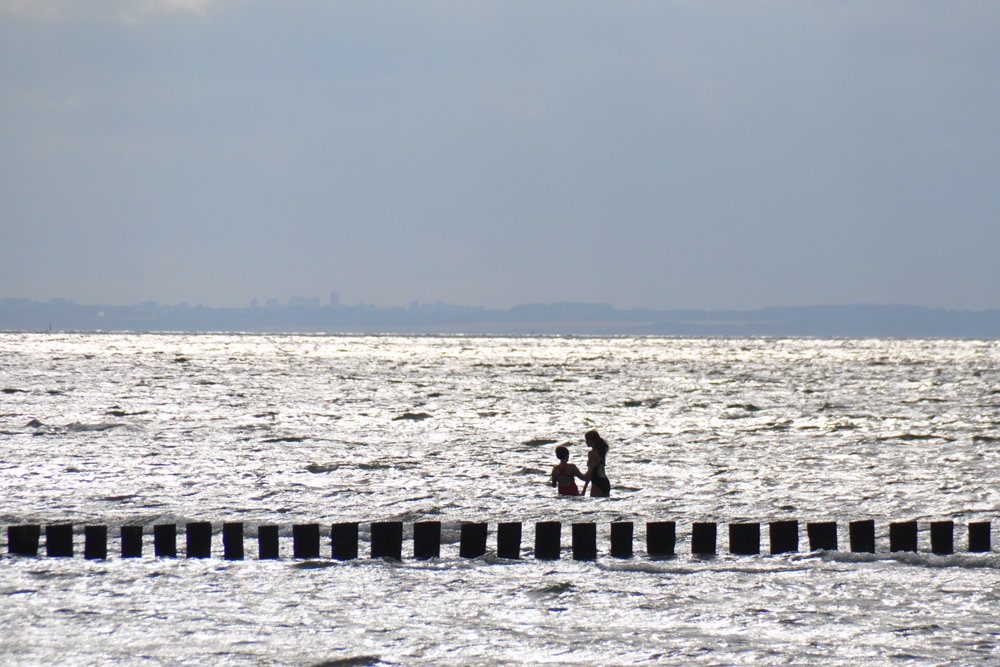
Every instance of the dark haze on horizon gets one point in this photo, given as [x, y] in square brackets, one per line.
[666, 155]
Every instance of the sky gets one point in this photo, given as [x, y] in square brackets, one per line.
[664, 154]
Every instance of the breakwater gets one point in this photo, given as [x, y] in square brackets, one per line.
[387, 538]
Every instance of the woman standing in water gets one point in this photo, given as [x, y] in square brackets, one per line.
[600, 486]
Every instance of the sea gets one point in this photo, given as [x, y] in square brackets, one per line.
[109, 428]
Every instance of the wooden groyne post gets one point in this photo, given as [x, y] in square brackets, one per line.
[621, 539]
[165, 540]
[822, 535]
[547, 536]
[903, 536]
[584, 541]
[59, 540]
[703, 536]
[784, 536]
[198, 536]
[661, 537]
[232, 541]
[426, 540]
[473, 540]
[305, 540]
[744, 539]
[23, 540]
[267, 542]
[979, 537]
[95, 542]
[131, 541]
[344, 540]
[862, 535]
[943, 537]
[387, 540]
[509, 540]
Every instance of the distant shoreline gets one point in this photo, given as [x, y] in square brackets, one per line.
[854, 321]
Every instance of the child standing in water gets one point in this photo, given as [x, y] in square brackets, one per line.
[564, 472]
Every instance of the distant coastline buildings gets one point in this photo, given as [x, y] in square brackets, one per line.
[309, 315]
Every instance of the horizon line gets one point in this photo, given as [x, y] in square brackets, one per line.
[299, 302]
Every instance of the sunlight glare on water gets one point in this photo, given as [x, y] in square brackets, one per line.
[115, 428]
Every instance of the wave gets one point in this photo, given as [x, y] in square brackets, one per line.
[539, 442]
[989, 561]
[356, 661]
[415, 416]
[916, 437]
[77, 427]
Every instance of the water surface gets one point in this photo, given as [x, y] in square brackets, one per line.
[148, 428]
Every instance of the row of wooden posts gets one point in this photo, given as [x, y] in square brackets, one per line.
[387, 539]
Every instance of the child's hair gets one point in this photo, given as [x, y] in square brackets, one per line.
[562, 453]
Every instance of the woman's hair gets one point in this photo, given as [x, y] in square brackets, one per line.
[595, 440]
[562, 453]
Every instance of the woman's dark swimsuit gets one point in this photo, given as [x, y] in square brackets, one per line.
[602, 483]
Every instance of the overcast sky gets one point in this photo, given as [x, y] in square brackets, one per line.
[661, 154]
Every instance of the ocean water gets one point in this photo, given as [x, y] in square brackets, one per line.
[114, 428]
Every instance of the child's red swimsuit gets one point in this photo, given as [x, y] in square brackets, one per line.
[571, 488]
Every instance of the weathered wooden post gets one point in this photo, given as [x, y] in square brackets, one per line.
[232, 541]
[387, 540]
[903, 536]
[547, 537]
[59, 540]
[509, 540]
[23, 540]
[703, 536]
[621, 539]
[131, 541]
[344, 540]
[661, 536]
[584, 541]
[305, 540]
[784, 536]
[199, 539]
[822, 535]
[744, 539]
[95, 542]
[862, 534]
[427, 540]
[943, 537]
[268, 547]
[473, 542]
[165, 540]
[979, 537]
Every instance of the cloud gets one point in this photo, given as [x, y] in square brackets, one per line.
[127, 11]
